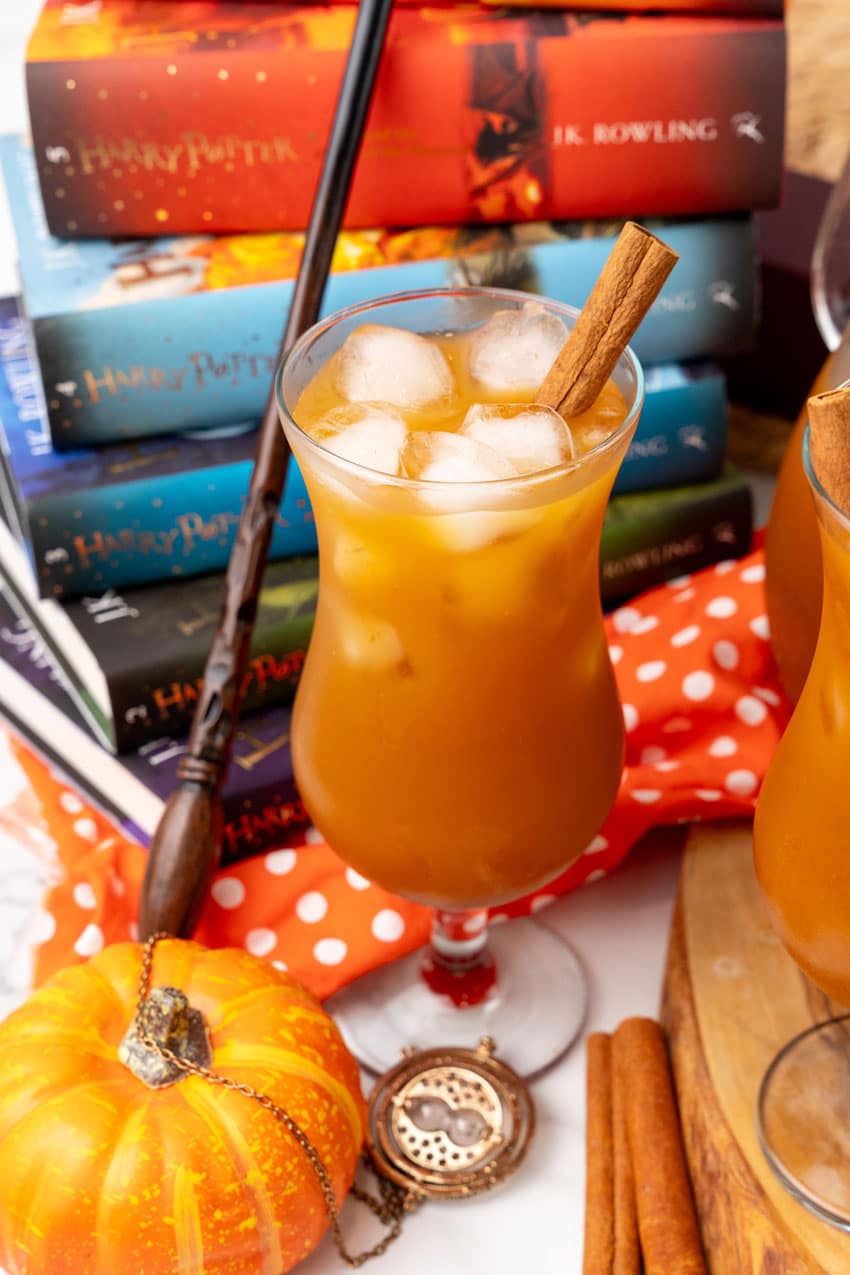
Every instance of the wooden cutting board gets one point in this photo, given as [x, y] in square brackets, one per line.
[732, 998]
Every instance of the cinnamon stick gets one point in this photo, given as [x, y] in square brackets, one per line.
[631, 279]
[599, 1159]
[611, 1245]
[627, 1260]
[829, 440]
[667, 1221]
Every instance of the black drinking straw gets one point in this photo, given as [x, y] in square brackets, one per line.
[186, 846]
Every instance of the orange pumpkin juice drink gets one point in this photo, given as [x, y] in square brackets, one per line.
[457, 736]
[801, 827]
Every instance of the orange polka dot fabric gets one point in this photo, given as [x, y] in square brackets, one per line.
[703, 712]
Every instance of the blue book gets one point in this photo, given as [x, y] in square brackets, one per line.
[129, 514]
[132, 514]
[146, 337]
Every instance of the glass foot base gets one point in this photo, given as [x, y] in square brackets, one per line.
[804, 1119]
[534, 1012]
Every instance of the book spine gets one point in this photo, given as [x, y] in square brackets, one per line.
[681, 434]
[643, 546]
[545, 115]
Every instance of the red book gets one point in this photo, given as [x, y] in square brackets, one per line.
[743, 8]
[176, 117]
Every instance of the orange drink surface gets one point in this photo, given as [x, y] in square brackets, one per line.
[457, 735]
[802, 842]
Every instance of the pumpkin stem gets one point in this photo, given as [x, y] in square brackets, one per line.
[166, 1020]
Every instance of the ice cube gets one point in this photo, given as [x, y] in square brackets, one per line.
[362, 564]
[438, 457]
[370, 642]
[449, 459]
[369, 434]
[532, 437]
[393, 366]
[516, 348]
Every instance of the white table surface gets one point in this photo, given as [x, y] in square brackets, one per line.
[618, 926]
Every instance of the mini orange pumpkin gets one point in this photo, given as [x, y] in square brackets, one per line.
[101, 1174]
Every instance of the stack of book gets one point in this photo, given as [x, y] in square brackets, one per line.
[159, 209]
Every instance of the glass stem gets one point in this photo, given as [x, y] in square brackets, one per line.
[458, 964]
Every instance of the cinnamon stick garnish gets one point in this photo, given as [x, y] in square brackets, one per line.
[667, 1220]
[829, 440]
[631, 279]
[627, 1259]
[599, 1159]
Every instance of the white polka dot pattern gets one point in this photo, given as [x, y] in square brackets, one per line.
[261, 941]
[761, 627]
[742, 782]
[330, 951]
[355, 880]
[750, 710]
[228, 892]
[685, 636]
[651, 671]
[721, 608]
[698, 685]
[90, 941]
[388, 925]
[311, 907]
[726, 654]
[84, 896]
[280, 862]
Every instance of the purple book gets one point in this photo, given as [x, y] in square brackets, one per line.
[261, 803]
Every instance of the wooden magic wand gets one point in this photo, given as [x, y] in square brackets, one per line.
[186, 847]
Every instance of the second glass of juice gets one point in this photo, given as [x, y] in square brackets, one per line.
[458, 737]
[802, 859]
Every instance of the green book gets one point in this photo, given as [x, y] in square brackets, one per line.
[652, 536]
